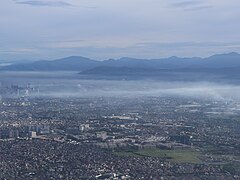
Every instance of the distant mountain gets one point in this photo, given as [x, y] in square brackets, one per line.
[223, 60]
[179, 74]
[73, 63]
[225, 67]
[215, 61]
[166, 63]
[78, 63]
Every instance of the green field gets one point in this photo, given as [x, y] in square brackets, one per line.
[178, 156]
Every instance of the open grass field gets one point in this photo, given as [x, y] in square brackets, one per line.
[179, 156]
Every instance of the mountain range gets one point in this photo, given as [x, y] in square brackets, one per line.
[227, 65]
[78, 63]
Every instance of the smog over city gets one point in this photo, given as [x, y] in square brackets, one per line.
[120, 90]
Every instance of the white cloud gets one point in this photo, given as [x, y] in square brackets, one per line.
[50, 3]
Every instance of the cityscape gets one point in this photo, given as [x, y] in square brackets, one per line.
[119, 90]
[138, 137]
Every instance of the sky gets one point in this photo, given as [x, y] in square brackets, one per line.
[103, 29]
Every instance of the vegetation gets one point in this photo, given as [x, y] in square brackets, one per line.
[178, 156]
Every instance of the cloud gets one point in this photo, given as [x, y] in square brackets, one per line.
[199, 8]
[19, 50]
[115, 29]
[44, 3]
[190, 44]
[191, 5]
[185, 4]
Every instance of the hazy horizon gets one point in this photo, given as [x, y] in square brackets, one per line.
[9, 62]
[51, 29]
